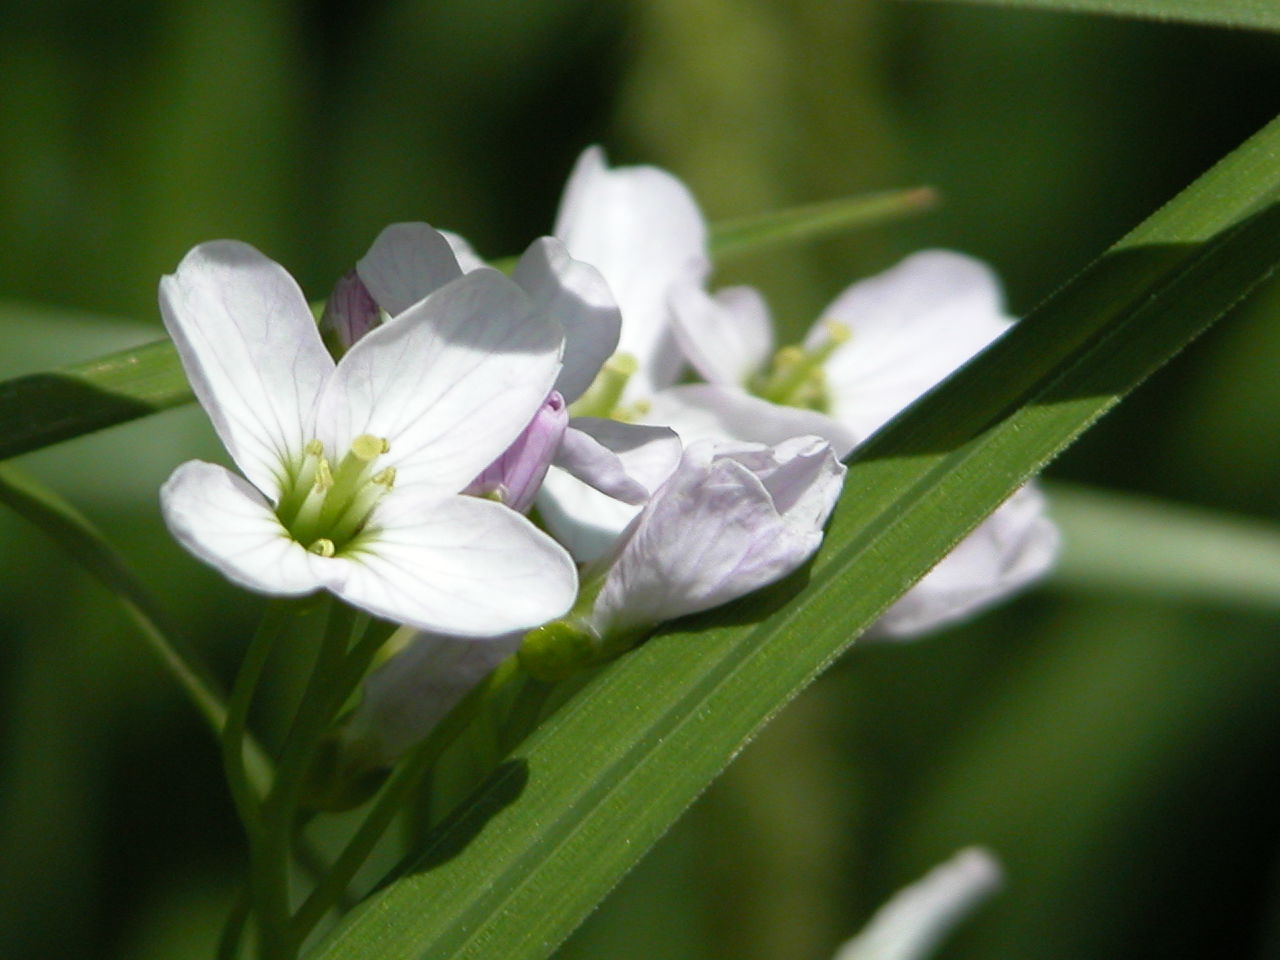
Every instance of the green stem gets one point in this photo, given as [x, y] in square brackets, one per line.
[243, 791]
[393, 795]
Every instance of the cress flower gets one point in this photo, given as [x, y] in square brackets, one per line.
[879, 346]
[355, 469]
[730, 519]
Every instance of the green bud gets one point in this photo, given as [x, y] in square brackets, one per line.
[559, 649]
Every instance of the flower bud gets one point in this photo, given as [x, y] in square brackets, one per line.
[516, 476]
[348, 315]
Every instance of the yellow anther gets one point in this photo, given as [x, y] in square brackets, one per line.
[386, 477]
[837, 332]
[322, 547]
[366, 446]
[324, 476]
[314, 448]
[789, 357]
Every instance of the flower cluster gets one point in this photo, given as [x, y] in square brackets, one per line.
[392, 453]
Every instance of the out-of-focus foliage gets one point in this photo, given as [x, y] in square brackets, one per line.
[1119, 753]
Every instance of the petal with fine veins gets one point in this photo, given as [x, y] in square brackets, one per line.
[910, 327]
[226, 523]
[641, 228]
[250, 348]
[575, 295]
[407, 262]
[450, 384]
[457, 565]
[727, 337]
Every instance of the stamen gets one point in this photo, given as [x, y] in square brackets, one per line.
[797, 378]
[601, 398]
[323, 548]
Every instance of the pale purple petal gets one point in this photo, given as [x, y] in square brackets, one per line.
[641, 228]
[349, 313]
[250, 348]
[516, 476]
[450, 384]
[226, 523]
[463, 252]
[728, 338]
[575, 295]
[731, 519]
[408, 695]
[703, 411]
[458, 565]
[1013, 547]
[910, 327]
[407, 262]
[604, 470]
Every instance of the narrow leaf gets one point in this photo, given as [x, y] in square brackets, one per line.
[1254, 14]
[732, 238]
[1119, 543]
[550, 833]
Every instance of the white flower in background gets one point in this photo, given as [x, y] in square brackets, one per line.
[355, 469]
[879, 346]
[730, 519]
[912, 924]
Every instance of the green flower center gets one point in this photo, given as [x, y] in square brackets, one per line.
[796, 377]
[326, 508]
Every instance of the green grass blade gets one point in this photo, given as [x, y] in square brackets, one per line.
[41, 409]
[550, 833]
[732, 238]
[1121, 544]
[1249, 14]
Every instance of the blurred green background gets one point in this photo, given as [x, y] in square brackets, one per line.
[1117, 750]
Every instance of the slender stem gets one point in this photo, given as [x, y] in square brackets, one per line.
[243, 791]
[62, 523]
[233, 929]
[393, 796]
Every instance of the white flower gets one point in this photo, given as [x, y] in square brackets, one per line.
[730, 519]
[877, 348]
[354, 469]
[912, 924]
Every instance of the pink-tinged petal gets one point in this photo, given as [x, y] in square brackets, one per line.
[1013, 547]
[250, 348]
[408, 695]
[702, 411]
[731, 519]
[911, 327]
[516, 476]
[226, 523]
[575, 295]
[457, 565]
[449, 384]
[727, 337]
[626, 461]
[349, 313]
[609, 468]
[641, 228]
[407, 262]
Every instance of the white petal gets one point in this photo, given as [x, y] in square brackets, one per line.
[456, 565]
[574, 295]
[1014, 546]
[715, 532]
[463, 252]
[251, 350]
[914, 922]
[728, 338]
[407, 262]
[408, 695]
[911, 326]
[450, 384]
[585, 520]
[627, 461]
[226, 523]
[702, 411]
[641, 228]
